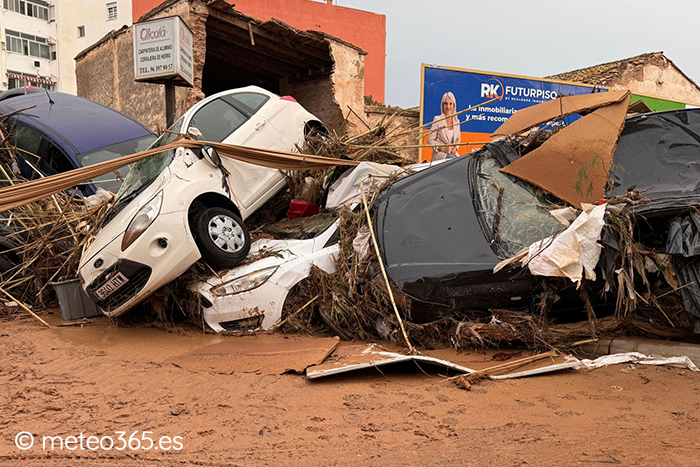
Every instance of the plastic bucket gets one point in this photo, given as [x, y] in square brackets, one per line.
[73, 301]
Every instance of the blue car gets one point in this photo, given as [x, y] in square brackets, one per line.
[63, 132]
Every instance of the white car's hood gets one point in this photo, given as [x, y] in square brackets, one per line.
[271, 253]
[116, 226]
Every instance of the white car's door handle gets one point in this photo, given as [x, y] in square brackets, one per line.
[260, 124]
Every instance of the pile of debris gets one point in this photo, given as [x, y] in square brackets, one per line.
[625, 281]
[476, 251]
[41, 242]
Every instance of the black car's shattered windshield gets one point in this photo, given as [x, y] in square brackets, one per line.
[513, 214]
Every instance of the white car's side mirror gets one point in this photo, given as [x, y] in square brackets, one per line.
[211, 155]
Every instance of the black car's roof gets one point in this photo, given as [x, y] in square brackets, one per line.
[658, 153]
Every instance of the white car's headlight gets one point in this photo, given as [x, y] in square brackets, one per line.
[142, 220]
[244, 283]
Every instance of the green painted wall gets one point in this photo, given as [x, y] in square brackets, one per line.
[657, 105]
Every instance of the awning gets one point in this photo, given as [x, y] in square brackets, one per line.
[31, 79]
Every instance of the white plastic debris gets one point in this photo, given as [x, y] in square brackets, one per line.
[639, 358]
[570, 253]
[565, 216]
[361, 243]
[605, 360]
[98, 199]
[346, 190]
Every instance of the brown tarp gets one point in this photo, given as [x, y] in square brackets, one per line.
[259, 354]
[574, 163]
[639, 107]
[560, 107]
[23, 193]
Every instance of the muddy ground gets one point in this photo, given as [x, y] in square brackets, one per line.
[101, 379]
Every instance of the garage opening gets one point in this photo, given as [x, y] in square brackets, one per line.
[242, 51]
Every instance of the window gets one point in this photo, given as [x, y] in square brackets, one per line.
[252, 100]
[14, 44]
[515, 214]
[14, 83]
[110, 181]
[27, 44]
[111, 11]
[81, 31]
[32, 8]
[217, 120]
[40, 151]
[33, 49]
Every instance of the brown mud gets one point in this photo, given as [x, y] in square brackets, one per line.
[100, 379]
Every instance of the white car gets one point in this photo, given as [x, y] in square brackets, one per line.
[251, 297]
[177, 206]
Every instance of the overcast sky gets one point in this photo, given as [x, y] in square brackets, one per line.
[533, 38]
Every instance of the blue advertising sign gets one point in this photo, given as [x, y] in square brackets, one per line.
[471, 88]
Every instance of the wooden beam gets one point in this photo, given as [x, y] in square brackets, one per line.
[229, 62]
[261, 33]
[236, 56]
[266, 47]
[252, 38]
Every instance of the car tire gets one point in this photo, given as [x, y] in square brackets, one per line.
[6, 267]
[8, 257]
[222, 238]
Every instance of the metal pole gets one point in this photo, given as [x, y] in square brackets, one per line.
[170, 103]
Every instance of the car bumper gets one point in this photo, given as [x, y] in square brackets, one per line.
[146, 264]
[260, 308]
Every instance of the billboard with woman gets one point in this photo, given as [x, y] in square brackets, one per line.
[461, 107]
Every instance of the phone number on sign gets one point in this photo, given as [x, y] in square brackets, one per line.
[133, 442]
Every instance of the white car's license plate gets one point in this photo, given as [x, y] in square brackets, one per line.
[111, 286]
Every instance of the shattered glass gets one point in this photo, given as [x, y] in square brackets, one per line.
[515, 216]
[142, 173]
[145, 171]
[300, 229]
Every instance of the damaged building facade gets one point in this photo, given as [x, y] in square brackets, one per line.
[323, 73]
[650, 74]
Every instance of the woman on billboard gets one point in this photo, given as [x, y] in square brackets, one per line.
[445, 131]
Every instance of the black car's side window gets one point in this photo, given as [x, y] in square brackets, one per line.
[217, 120]
[28, 142]
[41, 152]
[54, 161]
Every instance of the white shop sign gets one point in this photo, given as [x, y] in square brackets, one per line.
[163, 52]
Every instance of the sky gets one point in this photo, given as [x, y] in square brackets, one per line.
[531, 38]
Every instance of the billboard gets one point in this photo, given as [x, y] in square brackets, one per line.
[163, 52]
[471, 89]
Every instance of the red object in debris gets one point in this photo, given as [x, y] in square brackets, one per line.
[601, 201]
[299, 208]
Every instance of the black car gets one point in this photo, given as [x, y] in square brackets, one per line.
[441, 231]
[57, 132]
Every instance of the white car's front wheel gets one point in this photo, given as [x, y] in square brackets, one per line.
[222, 237]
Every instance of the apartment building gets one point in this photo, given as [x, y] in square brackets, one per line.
[39, 39]
[28, 54]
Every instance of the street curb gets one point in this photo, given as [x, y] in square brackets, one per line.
[606, 346]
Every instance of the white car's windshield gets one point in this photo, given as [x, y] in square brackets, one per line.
[142, 173]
